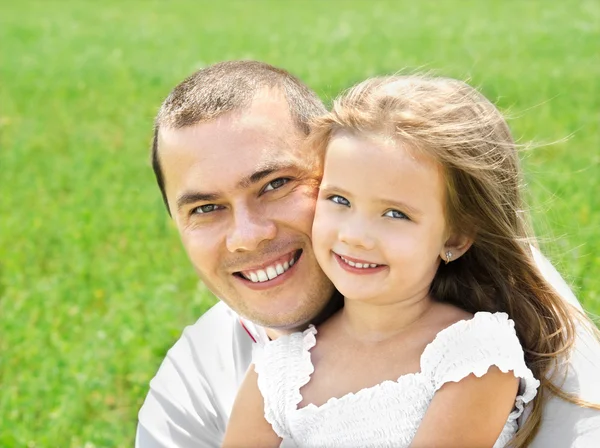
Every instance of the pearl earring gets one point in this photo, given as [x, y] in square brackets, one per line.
[448, 256]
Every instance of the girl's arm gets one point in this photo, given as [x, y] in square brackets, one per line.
[470, 413]
[247, 425]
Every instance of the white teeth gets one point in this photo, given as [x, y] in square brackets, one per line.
[271, 273]
[358, 265]
[262, 275]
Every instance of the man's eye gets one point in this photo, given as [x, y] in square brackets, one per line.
[395, 214]
[276, 184]
[339, 200]
[207, 208]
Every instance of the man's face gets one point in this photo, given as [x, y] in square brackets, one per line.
[242, 192]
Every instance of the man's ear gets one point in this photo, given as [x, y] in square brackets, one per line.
[455, 247]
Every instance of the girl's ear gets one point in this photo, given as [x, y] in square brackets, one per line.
[455, 247]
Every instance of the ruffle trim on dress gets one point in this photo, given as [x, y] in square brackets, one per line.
[305, 367]
[410, 381]
[264, 385]
[283, 366]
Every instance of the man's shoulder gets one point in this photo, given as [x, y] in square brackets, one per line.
[195, 385]
[218, 320]
[217, 336]
[565, 423]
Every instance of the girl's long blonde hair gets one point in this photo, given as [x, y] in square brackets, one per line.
[469, 137]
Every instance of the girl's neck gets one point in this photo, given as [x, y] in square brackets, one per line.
[373, 323]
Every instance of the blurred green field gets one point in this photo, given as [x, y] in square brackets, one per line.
[94, 286]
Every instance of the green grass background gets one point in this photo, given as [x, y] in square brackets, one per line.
[94, 286]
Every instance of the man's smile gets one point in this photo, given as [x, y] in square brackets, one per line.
[270, 270]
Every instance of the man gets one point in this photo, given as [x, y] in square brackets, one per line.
[241, 188]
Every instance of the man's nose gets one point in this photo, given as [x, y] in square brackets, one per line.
[248, 229]
[355, 233]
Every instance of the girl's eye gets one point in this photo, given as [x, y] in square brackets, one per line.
[339, 200]
[395, 214]
[207, 208]
[276, 184]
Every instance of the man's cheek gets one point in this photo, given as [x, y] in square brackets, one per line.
[311, 188]
[304, 204]
[199, 246]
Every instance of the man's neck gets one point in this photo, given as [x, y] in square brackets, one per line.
[333, 305]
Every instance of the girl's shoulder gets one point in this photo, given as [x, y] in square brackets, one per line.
[445, 315]
[459, 331]
[472, 346]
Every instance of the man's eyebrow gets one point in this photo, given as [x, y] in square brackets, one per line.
[264, 171]
[192, 197]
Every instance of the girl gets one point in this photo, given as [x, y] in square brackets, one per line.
[446, 321]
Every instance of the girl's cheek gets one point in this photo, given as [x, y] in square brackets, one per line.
[322, 232]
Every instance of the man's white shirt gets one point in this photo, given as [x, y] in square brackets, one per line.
[191, 396]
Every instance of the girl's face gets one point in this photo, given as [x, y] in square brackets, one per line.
[379, 228]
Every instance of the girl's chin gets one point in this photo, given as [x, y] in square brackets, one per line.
[351, 294]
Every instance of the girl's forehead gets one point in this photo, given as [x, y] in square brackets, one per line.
[381, 168]
[372, 145]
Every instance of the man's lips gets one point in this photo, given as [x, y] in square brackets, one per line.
[272, 269]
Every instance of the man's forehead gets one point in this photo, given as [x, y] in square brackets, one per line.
[223, 144]
[224, 156]
[267, 119]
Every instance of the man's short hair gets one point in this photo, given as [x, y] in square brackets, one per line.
[225, 87]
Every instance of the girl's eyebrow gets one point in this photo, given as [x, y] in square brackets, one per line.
[402, 206]
[327, 187]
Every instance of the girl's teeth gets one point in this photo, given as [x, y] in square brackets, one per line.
[262, 275]
[279, 269]
[286, 265]
[253, 277]
[359, 265]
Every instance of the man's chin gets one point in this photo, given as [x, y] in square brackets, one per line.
[281, 318]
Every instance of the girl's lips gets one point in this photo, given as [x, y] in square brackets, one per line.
[372, 268]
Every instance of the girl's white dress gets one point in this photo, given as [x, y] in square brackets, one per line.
[388, 414]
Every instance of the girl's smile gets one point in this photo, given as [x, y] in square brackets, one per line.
[356, 266]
